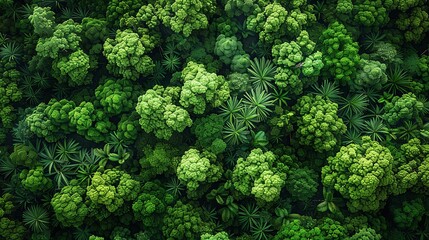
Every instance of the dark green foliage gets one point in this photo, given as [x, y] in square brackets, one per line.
[340, 52]
[68, 205]
[318, 123]
[158, 160]
[261, 230]
[302, 183]
[214, 119]
[370, 40]
[408, 214]
[182, 221]
[208, 129]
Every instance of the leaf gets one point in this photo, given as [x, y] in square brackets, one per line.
[322, 207]
[219, 200]
[332, 207]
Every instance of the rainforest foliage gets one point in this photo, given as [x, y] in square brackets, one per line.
[214, 119]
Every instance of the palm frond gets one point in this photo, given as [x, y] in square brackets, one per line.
[354, 121]
[248, 216]
[171, 62]
[158, 73]
[407, 131]
[22, 197]
[328, 90]
[66, 13]
[8, 168]
[61, 90]
[375, 112]
[63, 176]
[372, 39]
[210, 214]
[352, 136]
[26, 10]
[231, 108]
[49, 159]
[12, 12]
[85, 172]
[82, 233]
[319, 7]
[398, 80]
[67, 150]
[261, 101]
[376, 129]
[41, 80]
[262, 73]
[175, 187]
[261, 229]
[280, 97]
[30, 95]
[11, 51]
[36, 218]
[235, 132]
[116, 142]
[3, 39]
[351, 105]
[371, 94]
[248, 116]
[80, 13]
[170, 48]
[425, 102]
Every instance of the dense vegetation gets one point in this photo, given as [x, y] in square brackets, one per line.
[214, 119]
